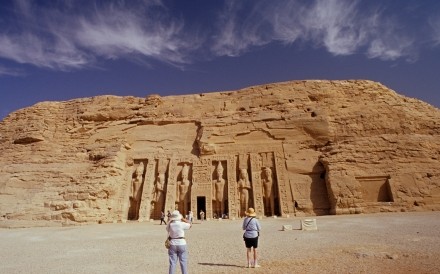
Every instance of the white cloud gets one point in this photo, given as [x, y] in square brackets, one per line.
[235, 35]
[61, 39]
[391, 48]
[64, 36]
[335, 25]
[28, 48]
[342, 27]
[114, 34]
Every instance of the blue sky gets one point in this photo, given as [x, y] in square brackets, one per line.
[61, 50]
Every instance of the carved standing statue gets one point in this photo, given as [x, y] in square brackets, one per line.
[267, 191]
[159, 187]
[183, 190]
[244, 186]
[136, 186]
[219, 186]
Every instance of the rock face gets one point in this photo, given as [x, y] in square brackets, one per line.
[295, 148]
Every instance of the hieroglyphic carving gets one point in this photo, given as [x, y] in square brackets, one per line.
[232, 149]
[147, 196]
[283, 185]
[256, 183]
[232, 188]
[267, 159]
[202, 184]
[123, 203]
[171, 186]
[242, 161]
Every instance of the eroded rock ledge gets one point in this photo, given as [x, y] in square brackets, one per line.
[293, 148]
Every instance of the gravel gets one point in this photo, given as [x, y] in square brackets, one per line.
[365, 243]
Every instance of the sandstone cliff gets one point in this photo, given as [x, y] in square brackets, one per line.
[293, 148]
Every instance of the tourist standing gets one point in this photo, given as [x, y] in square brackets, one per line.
[202, 215]
[162, 218]
[251, 227]
[178, 249]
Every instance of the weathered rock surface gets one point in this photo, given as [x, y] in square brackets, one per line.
[303, 148]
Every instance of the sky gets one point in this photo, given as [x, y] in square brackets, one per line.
[57, 50]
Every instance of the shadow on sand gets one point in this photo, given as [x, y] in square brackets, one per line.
[230, 265]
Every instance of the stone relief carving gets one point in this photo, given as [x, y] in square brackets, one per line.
[283, 189]
[257, 187]
[183, 190]
[179, 183]
[147, 189]
[205, 183]
[233, 201]
[244, 186]
[159, 187]
[219, 189]
[136, 191]
[268, 195]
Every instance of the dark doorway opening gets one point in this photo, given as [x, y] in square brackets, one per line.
[201, 206]
[277, 211]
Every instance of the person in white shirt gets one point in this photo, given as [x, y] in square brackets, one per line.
[178, 249]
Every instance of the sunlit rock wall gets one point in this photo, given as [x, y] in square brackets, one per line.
[295, 148]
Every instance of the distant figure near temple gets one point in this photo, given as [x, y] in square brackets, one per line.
[267, 192]
[219, 186]
[244, 186]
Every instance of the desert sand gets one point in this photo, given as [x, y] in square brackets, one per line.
[365, 243]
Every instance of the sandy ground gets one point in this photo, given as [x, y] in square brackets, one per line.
[373, 243]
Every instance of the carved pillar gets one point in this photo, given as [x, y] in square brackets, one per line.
[232, 188]
[125, 193]
[147, 191]
[286, 206]
[257, 187]
[171, 189]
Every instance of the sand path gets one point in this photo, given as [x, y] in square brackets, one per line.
[367, 243]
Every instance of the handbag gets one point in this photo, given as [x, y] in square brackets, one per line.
[167, 243]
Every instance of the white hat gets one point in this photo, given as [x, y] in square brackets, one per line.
[176, 216]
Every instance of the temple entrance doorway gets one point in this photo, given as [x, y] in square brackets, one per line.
[201, 205]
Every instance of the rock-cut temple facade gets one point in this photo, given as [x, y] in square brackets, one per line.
[286, 149]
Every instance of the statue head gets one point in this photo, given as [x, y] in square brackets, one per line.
[161, 178]
[140, 169]
[268, 172]
[185, 171]
[243, 173]
[220, 170]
